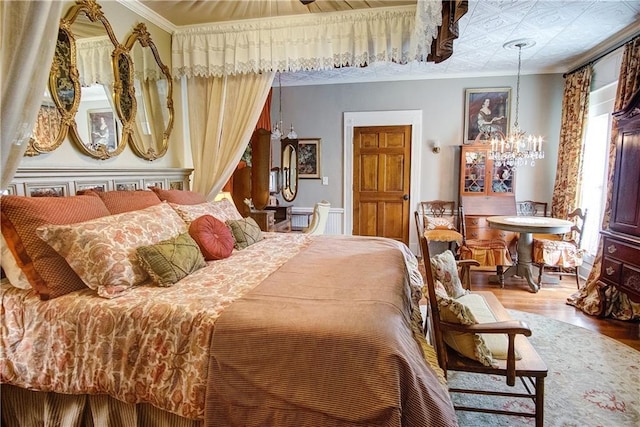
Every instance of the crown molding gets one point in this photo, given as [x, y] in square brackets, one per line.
[148, 14]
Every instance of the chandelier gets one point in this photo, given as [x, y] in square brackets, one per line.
[278, 132]
[517, 148]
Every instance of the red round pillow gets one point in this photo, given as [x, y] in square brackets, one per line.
[212, 236]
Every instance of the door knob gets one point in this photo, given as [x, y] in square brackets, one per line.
[405, 197]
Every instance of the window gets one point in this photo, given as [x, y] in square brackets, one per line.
[594, 168]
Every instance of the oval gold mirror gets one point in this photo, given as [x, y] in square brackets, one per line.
[289, 169]
[154, 96]
[83, 82]
[61, 99]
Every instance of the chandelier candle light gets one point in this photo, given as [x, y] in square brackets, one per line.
[517, 148]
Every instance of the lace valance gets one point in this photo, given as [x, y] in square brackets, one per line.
[308, 42]
[93, 56]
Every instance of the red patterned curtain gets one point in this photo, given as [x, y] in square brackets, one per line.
[575, 110]
[588, 298]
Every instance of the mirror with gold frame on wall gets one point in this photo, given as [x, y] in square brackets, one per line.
[89, 79]
[289, 169]
[154, 96]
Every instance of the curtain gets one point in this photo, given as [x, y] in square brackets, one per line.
[575, 111]
[223, 112]
[588, 298]
[150, 120]
[307, 42]
[93, 59]
[28, 39]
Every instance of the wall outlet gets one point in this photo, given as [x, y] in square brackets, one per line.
[325, 180]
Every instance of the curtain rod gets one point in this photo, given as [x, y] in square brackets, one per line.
[602, 55]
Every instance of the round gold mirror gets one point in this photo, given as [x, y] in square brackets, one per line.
[154, 96]
[289, 169]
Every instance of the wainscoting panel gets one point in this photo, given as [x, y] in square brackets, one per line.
[301, 215]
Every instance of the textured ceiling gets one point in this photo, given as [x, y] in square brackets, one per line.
[566, 34]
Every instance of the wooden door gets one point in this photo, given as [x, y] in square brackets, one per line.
[381, 177]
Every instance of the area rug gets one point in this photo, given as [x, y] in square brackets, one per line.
[593, 380]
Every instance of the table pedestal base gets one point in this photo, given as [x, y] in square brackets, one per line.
[523, 267]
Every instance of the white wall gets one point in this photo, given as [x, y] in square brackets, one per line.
[317, 111]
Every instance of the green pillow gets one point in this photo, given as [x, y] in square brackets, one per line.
[246, 232]
[171, 260]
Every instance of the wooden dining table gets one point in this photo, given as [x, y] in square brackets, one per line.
[526, 226]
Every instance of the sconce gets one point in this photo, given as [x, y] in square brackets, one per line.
[435, 147]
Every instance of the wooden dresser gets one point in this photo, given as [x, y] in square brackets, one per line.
[276, 218]
[621, 249]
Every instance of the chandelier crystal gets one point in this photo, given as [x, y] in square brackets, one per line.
[517, 148]
[278, 132]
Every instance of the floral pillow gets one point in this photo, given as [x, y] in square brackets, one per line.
[171, 260]
[445, 270]
[224, 210]
[439, 223]
[103, 251]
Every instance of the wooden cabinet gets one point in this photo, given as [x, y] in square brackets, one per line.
[273, 218]
[621, 249]
[481, 176]
[486, 189]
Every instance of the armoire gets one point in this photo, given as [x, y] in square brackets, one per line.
[621, 248]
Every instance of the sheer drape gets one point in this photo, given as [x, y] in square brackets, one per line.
[29, 33]
[575, 111]
[588, 299]
[223, 112]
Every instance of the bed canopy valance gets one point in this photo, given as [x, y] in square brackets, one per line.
[315, 41]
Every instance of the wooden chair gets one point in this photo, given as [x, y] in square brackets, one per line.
[489, 252]
[564, 253]
[440, 222]
[529, 368]
[464, 266]
[531, 208]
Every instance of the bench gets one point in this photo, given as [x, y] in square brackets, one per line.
[521, 359]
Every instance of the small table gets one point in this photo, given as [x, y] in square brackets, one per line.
[526, 226]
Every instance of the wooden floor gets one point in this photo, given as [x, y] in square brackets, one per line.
[550, 301]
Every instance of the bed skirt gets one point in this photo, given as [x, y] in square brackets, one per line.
[26, 408]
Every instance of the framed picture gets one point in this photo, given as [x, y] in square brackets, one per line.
[486, 111]
[102, 128]
[309, 158]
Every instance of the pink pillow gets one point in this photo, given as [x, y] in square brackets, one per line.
[49, 274]
[120, 201]
[212, 236]
[180, 197]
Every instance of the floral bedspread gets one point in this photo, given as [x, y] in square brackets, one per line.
[150, 345]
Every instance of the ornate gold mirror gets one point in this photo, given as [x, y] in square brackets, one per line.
[85, 87]
[289, 169]
[154, 96]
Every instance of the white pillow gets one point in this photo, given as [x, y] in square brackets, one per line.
[14, 274]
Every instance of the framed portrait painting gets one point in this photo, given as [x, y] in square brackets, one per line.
[486, 112]
[309, 158]
[102, 128]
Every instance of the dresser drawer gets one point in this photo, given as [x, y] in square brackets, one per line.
[630, 282]
[611, 270]
[476, 222]
[621, 251]
[489, 234]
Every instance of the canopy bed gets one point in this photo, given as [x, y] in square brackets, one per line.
[293, 329]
